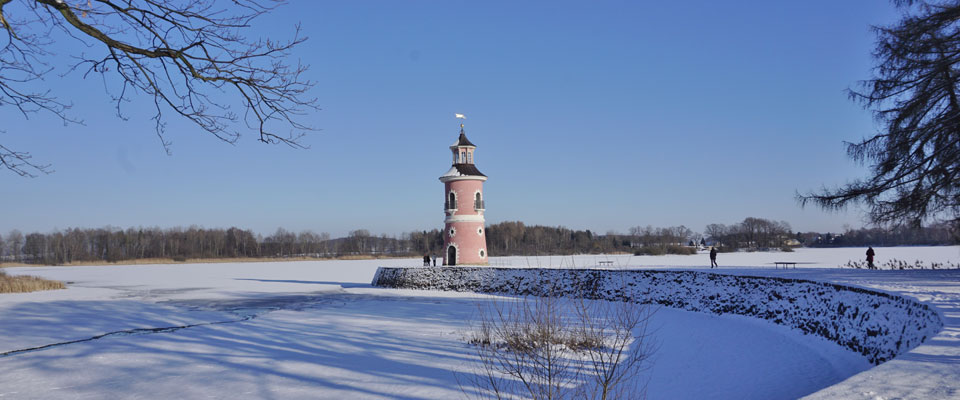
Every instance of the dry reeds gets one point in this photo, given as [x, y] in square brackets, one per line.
[151, 261]
[549, 348]
[24, 284]
[895, 264]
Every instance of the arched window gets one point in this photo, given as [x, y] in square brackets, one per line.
[452, 201]
[478, 202]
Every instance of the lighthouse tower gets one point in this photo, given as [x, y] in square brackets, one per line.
[464, 234]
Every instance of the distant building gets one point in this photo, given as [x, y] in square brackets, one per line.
[464, 233]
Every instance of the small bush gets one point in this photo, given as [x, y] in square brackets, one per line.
[786, 249]
[551, 348]
[179, 259]
[681, 250]
[661, 250]
[650, 251]
[24, 284]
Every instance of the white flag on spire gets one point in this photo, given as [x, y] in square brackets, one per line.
[461, 116]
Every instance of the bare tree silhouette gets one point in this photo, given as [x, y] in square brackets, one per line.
[915, 158]
[190, 57]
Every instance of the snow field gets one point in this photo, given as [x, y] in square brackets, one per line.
[319, 330]
[807, 257]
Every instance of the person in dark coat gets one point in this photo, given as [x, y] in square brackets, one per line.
[870, 254]
[426, 260]
[713, 258]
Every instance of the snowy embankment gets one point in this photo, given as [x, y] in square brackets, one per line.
[877, 325]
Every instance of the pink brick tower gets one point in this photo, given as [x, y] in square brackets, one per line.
[464, 236]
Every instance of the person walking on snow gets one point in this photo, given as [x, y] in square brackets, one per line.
[426, 260]
[870, 254]
[434, 260]
[713, 258]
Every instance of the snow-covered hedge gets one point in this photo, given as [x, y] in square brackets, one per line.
[877, 325]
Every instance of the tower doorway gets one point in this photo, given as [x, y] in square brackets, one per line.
[451, 255]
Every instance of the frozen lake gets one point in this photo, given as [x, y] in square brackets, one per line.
[319, 330]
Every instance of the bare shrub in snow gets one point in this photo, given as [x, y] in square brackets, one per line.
[896, 264]
[554, 348]
[615, 346]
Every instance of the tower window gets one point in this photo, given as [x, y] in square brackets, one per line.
[452, 201]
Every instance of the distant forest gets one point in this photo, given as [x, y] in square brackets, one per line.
[503, 239]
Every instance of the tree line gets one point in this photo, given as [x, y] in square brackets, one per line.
[515, 238]
[935, 234]
[509, 238]
[751, 233]
[111, 244]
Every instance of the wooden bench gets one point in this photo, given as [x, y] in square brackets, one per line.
[605, 263]
[785, 264]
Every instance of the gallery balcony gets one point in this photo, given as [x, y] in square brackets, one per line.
[449, 208]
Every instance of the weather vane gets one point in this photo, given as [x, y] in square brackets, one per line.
[460, 116]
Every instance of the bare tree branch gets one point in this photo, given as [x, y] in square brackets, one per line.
[190, 57]
[20, 163]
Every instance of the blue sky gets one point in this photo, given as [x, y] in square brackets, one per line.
[591, 115]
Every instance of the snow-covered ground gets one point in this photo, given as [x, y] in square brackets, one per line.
[807, 257]
[319, 330]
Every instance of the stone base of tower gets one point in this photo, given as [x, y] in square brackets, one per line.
[474, 264]
[458, 258]
[465, 243]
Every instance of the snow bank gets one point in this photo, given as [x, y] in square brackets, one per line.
[877, 325]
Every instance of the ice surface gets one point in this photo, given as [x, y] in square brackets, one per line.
[318, 330]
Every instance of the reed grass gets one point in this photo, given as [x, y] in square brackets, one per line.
[25, 283]
[145, 261]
